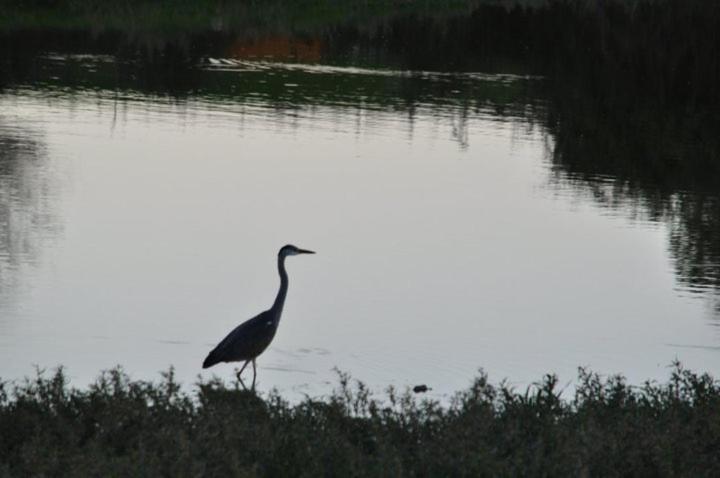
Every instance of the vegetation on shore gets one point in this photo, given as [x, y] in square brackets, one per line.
[199, 15]
[121, 427]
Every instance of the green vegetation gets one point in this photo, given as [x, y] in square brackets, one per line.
[199, 15]
[119, 427]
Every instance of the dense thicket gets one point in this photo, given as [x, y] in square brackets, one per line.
[120, 427]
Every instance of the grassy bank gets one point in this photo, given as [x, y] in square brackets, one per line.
[120, 427]
[200, 15]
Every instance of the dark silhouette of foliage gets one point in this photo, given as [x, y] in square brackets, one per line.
[121, 427]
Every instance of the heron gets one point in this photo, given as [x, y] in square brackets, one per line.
[249, 339]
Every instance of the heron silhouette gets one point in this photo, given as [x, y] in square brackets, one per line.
[252, 337]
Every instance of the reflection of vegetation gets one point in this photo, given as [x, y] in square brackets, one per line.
[631, 91]
[695, 239]
[24, 209]
[121, 427]
[650, 163]
[286, 87]
[633, 123]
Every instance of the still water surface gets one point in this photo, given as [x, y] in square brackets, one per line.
[138, 228]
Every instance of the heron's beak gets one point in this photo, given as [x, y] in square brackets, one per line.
[305, 251]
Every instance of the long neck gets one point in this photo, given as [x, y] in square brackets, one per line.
[280, 299]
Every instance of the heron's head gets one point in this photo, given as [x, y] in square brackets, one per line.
[291, 250]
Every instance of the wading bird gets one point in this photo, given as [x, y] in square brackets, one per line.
[251, 338]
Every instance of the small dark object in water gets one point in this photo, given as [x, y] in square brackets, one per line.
[421, 388]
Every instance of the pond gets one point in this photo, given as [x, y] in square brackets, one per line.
[463, 219]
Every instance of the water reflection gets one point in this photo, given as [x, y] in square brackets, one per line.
[27, 205]
[621, 154]
[278, 48]
[200, 127]
[290, 89]
[647, 164]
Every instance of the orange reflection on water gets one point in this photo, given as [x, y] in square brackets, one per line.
[277, 48]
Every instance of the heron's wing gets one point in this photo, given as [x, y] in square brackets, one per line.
[246, 341]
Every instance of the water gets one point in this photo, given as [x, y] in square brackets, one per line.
[456, 228]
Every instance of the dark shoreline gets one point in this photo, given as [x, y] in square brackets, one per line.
[120, 427]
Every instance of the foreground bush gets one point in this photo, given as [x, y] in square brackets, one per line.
[120, 427]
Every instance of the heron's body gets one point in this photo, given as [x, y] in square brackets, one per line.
[252, 337]
[246, 341]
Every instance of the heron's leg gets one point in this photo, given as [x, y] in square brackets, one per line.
[254, 375]
[240, 372]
